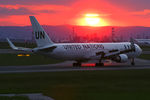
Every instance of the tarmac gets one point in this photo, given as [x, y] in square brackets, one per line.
[67, 66]
[32, 96]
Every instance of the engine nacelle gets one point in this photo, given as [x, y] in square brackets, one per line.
[122, 58]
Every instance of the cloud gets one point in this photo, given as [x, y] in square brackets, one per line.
[38, 9]
[19, 11]
[48, 11]
[133, 5]
[36, 2]
[144, 12]
[7, 23]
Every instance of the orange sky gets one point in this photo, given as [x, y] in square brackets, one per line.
[72, 12]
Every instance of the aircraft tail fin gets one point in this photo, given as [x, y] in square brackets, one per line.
[41, 37]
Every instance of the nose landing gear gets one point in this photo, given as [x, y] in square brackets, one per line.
[77, 64]
[132, 62]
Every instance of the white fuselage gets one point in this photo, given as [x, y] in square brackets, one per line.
[143, 42]
[81, 51]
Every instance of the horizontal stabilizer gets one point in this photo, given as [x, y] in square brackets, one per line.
[18, 48]
[11, 44]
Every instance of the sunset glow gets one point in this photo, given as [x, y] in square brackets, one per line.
[76, 12]
[93, 20]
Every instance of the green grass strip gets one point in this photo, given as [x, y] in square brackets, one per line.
[13, 60]
[84, 85]
[145, 56]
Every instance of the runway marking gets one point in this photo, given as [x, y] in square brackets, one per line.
[78, 69]
[32, 96]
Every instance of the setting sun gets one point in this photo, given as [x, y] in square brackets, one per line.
[93, 20]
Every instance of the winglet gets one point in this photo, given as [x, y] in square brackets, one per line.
[11, 44]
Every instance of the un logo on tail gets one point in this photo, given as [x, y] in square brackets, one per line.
[40, 35]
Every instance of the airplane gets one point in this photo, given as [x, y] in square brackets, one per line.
[143, 42]
[80, 52]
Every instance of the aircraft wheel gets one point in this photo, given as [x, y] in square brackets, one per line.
[76, 64]
[99, 64]
[132, 63]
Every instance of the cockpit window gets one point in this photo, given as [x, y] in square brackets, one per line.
[128, 46]
[125, 47]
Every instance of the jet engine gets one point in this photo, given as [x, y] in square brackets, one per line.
[122, 58]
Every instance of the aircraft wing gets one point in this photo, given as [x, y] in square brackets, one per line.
[18, 48]
[47, 49]
[108, 54]
[112, 53]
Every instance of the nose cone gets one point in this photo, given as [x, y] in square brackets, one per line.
[138, 50]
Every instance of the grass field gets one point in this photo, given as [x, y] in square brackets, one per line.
[145, 48]
[145, 56]
[84, 85]
[13, 59]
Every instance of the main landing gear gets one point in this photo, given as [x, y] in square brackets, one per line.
[96, 65]
[79, 64]
[99, 64]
